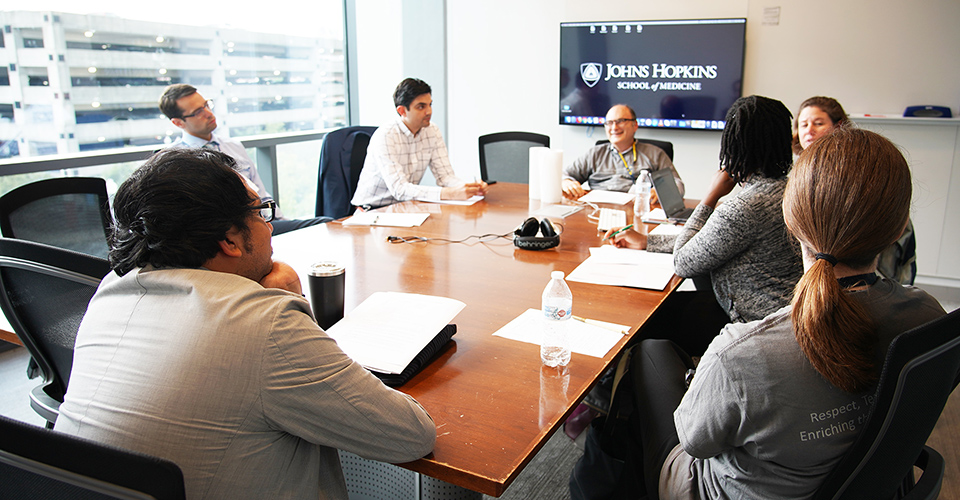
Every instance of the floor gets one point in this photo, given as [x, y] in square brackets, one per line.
[545, 476]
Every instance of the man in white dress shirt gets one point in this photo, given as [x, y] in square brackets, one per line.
[189, 111]
[401, 151]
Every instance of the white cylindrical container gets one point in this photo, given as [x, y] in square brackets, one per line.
[551, 176]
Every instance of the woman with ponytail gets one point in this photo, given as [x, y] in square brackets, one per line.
[775, 403]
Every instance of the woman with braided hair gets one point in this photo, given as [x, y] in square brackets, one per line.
[775, 403]
[742, 245]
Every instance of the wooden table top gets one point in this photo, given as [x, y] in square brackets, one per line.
[494, 403]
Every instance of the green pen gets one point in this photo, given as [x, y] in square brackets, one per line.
[622, 229]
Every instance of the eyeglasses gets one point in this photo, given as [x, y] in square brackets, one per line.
[267, 211]
[618, 121]
[206, 106]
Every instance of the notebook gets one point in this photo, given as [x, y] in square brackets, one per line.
[669, 195]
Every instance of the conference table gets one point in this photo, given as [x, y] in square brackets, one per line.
[494, 403]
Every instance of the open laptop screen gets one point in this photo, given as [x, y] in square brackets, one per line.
[669, 195]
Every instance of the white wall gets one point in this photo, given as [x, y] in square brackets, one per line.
[379, 58]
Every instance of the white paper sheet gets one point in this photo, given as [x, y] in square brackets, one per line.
[609, 265]
[469, 201]
[655, 216]
[388, 329]
[603, 196]
[391, 219]
[584, 338]
[556, 211]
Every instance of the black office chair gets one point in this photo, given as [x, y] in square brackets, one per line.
[920, 372]
[66, 212]
[44, 292]
[505, 156]
[666, 146]
[43, 464]
[341, 160]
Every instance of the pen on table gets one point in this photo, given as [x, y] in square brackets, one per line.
[618, 231]
[599, 324]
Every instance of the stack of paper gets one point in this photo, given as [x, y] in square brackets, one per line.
[609, 265]
[386, 331]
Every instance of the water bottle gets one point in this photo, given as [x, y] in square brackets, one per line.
[641, 204]
[557, 307]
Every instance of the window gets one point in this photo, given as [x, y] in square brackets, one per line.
[276, 72]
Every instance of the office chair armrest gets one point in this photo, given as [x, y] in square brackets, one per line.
[931, 463]
[44, 405]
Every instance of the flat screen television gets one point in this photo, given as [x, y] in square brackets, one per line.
[681, 74]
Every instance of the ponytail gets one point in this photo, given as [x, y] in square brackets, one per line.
[848, 197]
[833, 330]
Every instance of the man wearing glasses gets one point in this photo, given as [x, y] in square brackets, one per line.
[189, 111]
[200, 348]
[616, 166]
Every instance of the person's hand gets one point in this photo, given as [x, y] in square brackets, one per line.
[626, 239]
[572, 189]
[476, 188]
[721, 186]
[654, 199]
[464, 192]
[282, 276]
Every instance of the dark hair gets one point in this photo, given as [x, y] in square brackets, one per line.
[173, 93]
[848, 196]
[828, 105]
[633, 114]
[756, 139]
[173, 210]
[408, 90]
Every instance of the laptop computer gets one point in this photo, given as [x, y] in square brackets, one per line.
[669, 195]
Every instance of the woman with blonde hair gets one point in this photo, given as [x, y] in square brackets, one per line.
[775, 403]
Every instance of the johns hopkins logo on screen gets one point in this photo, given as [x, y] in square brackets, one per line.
[591, 73]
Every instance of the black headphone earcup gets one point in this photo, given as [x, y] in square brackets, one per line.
[547, 229]
[528, 228]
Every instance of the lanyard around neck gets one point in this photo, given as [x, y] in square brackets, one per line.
[625, 164]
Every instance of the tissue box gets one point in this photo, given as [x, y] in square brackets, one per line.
[662, 238]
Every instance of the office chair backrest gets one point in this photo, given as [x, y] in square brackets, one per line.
[66, 212]
[341, 160]
[920, 372]
[42, 464]
[44, 292]
[505, 156]
[666, 146]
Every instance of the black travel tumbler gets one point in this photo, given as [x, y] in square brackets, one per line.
[326, 292]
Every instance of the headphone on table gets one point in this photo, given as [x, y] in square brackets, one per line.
[525, 236]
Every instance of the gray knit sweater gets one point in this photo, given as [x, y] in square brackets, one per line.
[744, 245]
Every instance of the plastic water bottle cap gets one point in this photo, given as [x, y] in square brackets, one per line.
[557, 275]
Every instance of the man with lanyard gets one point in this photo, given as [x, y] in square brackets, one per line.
[189, 111]
[616, 166]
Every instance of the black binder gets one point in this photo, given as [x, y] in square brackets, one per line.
[420, 360]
